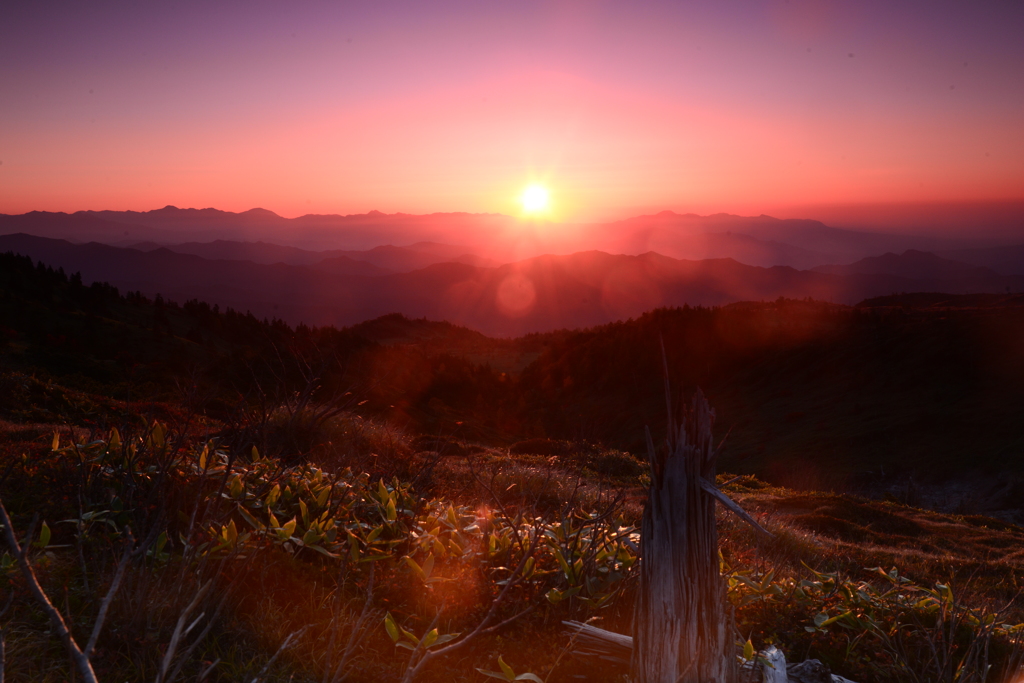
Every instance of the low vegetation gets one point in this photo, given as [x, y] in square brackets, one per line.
[244, 567]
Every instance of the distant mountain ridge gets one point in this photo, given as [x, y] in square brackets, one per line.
[1006, 260]
[668, 233]
[753, 240]
[912, 263]
[171, 225]
[379, 260]
[533, 295]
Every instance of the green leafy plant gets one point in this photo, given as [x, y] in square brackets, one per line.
[508, 674]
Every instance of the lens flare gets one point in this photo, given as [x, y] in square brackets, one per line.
[516, 295]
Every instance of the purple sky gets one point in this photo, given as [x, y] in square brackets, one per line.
[617, 108]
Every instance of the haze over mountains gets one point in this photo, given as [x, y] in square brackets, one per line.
[493, 273]
[801, 243]
[379, 260]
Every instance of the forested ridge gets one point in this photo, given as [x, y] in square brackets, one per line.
[891, 383]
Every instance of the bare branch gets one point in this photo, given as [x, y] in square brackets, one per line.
[172, 647]
[80, 659]
[732, 506]
[421, 657]
[294, 635]
[502, 624]
[225, 596]
[357, 630]
[3, 638]
[114, 585]
[205, 672]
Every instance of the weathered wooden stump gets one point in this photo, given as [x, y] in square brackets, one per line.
[681, 627]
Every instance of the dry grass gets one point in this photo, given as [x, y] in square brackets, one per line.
[850, 533]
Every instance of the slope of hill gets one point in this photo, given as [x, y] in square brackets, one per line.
[79, 227]
[381, 260]
[929, 272]
[920, 265]
[413, 257]
[1008, 260]
[467, 436]
[669, 232]
[717, 245]
[256, 252]
[813, 394]
[313, 232]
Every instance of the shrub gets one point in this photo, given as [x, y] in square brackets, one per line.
[540, 447]
[616, 464]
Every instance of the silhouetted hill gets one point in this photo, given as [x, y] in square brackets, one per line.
[929, 272]
[940, 301]
[893, 399]
[414, 257]
[77, 227]
[743, 248]
[1008, 260]
[173, 218]
[671, 234]
[312, 232]
[534, 295]
[757, 240]
[811, 393]
[380, 260]
[257, 252]
[179, 276]
[171, 225]
[914, 264]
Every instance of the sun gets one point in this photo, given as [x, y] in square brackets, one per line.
[535, 199]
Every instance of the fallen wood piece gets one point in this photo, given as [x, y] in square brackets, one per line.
[607, 646]
[615, 650]
[773, 668]
[732, 505]
[809, 671]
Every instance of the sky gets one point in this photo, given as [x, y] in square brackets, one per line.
[618, 109]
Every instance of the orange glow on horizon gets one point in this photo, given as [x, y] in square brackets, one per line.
[616, 151]
[617, 113]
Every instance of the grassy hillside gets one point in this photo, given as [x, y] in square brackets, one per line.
[318, 501]
[309, 560]
[811, 394]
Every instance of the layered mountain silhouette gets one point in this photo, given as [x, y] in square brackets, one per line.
[674, 234]
[171, 225]
[379, 260]
[1006, 260]
[911, 263]
[537, 294]
[758, 240]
